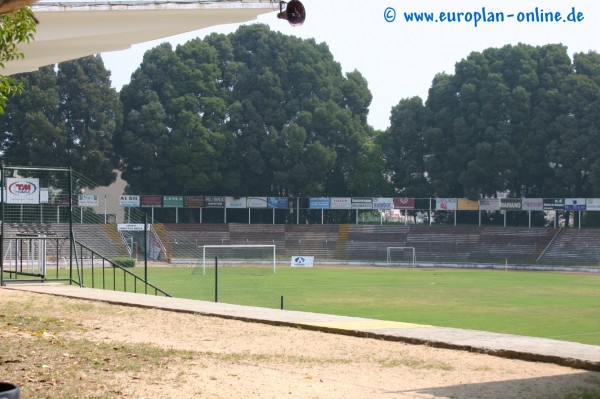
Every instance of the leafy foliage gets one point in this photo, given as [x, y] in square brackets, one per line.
[256, 112]
[517, 119]
[65, 117]
[15, 28]
[250, 113]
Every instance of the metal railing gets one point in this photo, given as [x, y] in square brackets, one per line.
[91, 262]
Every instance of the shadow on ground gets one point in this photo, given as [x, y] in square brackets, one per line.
[583, 385]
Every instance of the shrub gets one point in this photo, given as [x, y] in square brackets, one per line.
[125, 262]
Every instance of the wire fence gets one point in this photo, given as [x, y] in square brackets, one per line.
[59, 225]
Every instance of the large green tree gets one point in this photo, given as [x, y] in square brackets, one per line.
[254, 112]
[517, 119]
[406, 150]
[65, 116]
[574, 150]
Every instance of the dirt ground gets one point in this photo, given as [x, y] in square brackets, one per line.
[49, 343]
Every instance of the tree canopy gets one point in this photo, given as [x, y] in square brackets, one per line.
[518, 119]
[65, 116]
[254, 112]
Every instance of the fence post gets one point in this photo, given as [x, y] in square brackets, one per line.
[71, 236]
[145, 252]
[2, 192]
[216, 279]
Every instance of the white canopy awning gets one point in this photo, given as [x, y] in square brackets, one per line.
[69, 30]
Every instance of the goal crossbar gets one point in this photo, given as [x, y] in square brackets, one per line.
[241, 246]
[413, 259]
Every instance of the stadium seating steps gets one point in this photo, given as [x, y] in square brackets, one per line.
[347, 243]
[369, 243]
[102, 239]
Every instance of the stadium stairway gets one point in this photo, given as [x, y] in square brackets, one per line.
[574, 247]
[163, 235]
[103, 239]
[342, 240]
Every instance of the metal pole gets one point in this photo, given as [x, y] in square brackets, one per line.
[429, 211]
[3, 188]
[72, 236]
[216, 279]
[146, 252]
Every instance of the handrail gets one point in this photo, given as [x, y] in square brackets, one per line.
[158, 240]
[126, 243]
[125, 271]
[550, 244]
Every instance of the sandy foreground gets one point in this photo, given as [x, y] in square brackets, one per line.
[234, 359]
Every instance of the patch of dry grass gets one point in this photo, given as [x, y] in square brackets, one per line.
[38, 356]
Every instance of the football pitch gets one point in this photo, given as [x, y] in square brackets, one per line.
[563, 306]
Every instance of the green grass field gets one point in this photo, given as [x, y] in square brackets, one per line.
[564, 306]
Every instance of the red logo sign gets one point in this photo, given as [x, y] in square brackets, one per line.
[22, 188]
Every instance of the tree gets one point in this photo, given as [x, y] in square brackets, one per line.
[32, 132]
[15, 28]
[517, 119]
[173, 140]
[64, 117]
[254, 112]
[405, 148]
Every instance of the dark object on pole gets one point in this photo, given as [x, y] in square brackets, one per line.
[9, 391]
[294, 12]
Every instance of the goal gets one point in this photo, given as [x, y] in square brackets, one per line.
[401, 256]
[240, 255]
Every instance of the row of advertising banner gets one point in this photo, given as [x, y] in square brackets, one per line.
[28, 191]
[518, 204]
[438, 204]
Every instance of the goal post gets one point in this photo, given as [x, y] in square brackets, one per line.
[241, 255]
[401, 255]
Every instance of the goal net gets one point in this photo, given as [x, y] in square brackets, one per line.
[250, 256]
[401, 256]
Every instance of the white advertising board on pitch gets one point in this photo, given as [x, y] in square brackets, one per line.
[303, 261]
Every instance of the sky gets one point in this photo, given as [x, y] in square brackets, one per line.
[399, 59]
